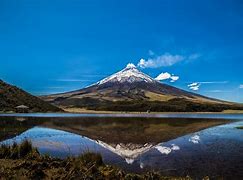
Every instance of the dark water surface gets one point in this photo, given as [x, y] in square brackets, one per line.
[174, 144]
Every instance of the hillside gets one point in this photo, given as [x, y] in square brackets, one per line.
[12, 96]
[132, 90]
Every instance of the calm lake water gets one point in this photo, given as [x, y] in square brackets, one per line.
[173, 144]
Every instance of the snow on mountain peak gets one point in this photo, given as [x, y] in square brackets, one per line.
[130, 65]
[130, 74]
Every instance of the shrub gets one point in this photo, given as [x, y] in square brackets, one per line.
[16, 151]
[91, 158]
[25, 148]
[5, 151]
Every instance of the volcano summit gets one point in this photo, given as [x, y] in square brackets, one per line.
[132, 90]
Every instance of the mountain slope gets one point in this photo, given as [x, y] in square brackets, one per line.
[132, 90]
[11, 97]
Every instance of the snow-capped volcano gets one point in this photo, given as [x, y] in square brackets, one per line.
[132, 90]
[130, 74]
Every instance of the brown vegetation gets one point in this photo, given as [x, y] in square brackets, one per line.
[24, 162]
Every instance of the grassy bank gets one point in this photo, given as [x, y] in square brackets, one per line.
[233, 111]
[142, 105]
[24, 162]
[88, 111]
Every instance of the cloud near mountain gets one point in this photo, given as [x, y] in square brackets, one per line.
[165, 60]
[165, 76]
[160, 61]
[194, 86]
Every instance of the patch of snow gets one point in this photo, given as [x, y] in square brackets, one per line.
[130, 74]
[194, 139]
[130, 65]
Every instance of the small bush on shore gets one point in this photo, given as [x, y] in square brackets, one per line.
[25, 148]
[16, 151]
[5, 151]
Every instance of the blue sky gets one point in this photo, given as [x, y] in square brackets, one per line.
[55, 46]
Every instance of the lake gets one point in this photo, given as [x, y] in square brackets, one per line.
[197, 145]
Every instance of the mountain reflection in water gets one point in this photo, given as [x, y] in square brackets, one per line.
[172, 146]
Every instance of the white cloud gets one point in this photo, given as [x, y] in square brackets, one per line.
[165, 76]
[174, 78]
[217, 91]
[164, 60]
[241, 86]
[160, 61]
[194, 86]
[214, 82]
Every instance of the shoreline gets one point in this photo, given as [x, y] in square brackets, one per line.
[85, 111]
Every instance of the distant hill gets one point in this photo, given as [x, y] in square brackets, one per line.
[11, 97]
[132, 90]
